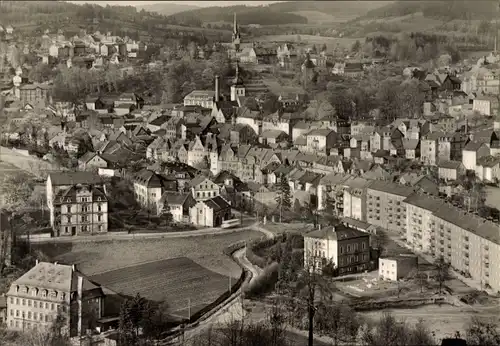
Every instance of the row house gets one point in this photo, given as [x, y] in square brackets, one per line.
[280, 121]
[451, 145]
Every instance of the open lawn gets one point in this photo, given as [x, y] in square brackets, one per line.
[331, 42]
[288, 227]
[173, 280]
[93, 258]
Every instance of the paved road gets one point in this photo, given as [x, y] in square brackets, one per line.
[121, 236]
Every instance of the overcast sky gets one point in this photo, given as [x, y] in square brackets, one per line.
[193, 3]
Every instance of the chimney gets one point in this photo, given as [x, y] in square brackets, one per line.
[79, 301]
[216, 88]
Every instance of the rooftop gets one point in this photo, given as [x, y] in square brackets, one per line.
[339, 232]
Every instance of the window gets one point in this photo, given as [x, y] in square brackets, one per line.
[47, 306]
[17, 301]
[99, 217]
[29, 302]
[24, 301]
[29, 315]
[17, 313]
[41, 316]
[99, 207]
[341, 249]
[11, 312]
[35, 304]
[348, 248]
[46, 318]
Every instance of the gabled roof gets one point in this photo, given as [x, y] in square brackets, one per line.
[217, 203]
[449, 164]
[473, 146]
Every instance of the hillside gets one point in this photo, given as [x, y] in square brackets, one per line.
[246, 15]
[291, 12]
[166, 9]
[442, 10]
[32, 18]
[469, 23]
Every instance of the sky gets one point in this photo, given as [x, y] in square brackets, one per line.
[192, 3]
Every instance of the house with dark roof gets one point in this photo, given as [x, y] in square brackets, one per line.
[347, 247]
[473, 151]
[202, 188]
[64, 180]
[210, 212]
[91, 161]
[178, 204]
[450, 170]
[149, 187]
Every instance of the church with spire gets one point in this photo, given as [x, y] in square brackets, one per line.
[236, 37]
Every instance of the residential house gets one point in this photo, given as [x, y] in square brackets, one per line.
[488, 169]
[346, 247]
[248, 117]
[485, 105]
[149, 187]
[203, 188]
[273, 137]
[451, 145]
[411, 148]
[472, 152]
[49, 291]
[91, 161]
[429, 148]
[450, 170]
[321, 140]
[281, 121]
[210, 212]
[35, 93]
[178, 204]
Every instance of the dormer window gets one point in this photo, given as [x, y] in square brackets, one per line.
[34, 292]
[44, 293]
[53, 295]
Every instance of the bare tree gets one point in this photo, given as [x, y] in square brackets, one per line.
[442, 272]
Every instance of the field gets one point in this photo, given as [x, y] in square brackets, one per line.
[174, 269]
[331, 42]
[168, 280]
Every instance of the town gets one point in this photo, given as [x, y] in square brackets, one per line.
[152, 191]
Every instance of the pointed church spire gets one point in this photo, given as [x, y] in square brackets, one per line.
[235, 26]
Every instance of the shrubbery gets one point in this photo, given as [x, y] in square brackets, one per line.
[263, 283]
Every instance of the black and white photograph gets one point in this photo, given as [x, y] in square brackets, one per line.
[250, 173]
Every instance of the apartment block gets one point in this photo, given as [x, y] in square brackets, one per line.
[355, 198]
[48, 290]
[385, 207]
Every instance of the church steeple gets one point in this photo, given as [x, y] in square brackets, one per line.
[236, 34]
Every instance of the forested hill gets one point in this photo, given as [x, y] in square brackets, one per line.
[36, 16]
[443, 10]
[262, 15]
[289, 12]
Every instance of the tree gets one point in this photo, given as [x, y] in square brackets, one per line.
[284, 196]
[41, 73]
[338, 321]
[356, 47]
[442, 272]
[482, 332]
[135, 315]
[167, 214]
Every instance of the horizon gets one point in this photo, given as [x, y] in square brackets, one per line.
[189, 3]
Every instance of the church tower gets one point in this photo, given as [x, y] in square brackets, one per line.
[236, 35]
[237, 87]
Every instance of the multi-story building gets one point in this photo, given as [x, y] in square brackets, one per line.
[149, 186]
[355, 198]
[429, 148]
[346, 247]
[48, 290]
[385, 207]
[450, 146]
[33, 93]
[331, 193]
[77, 203]
[419, 209]
[203, 188]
